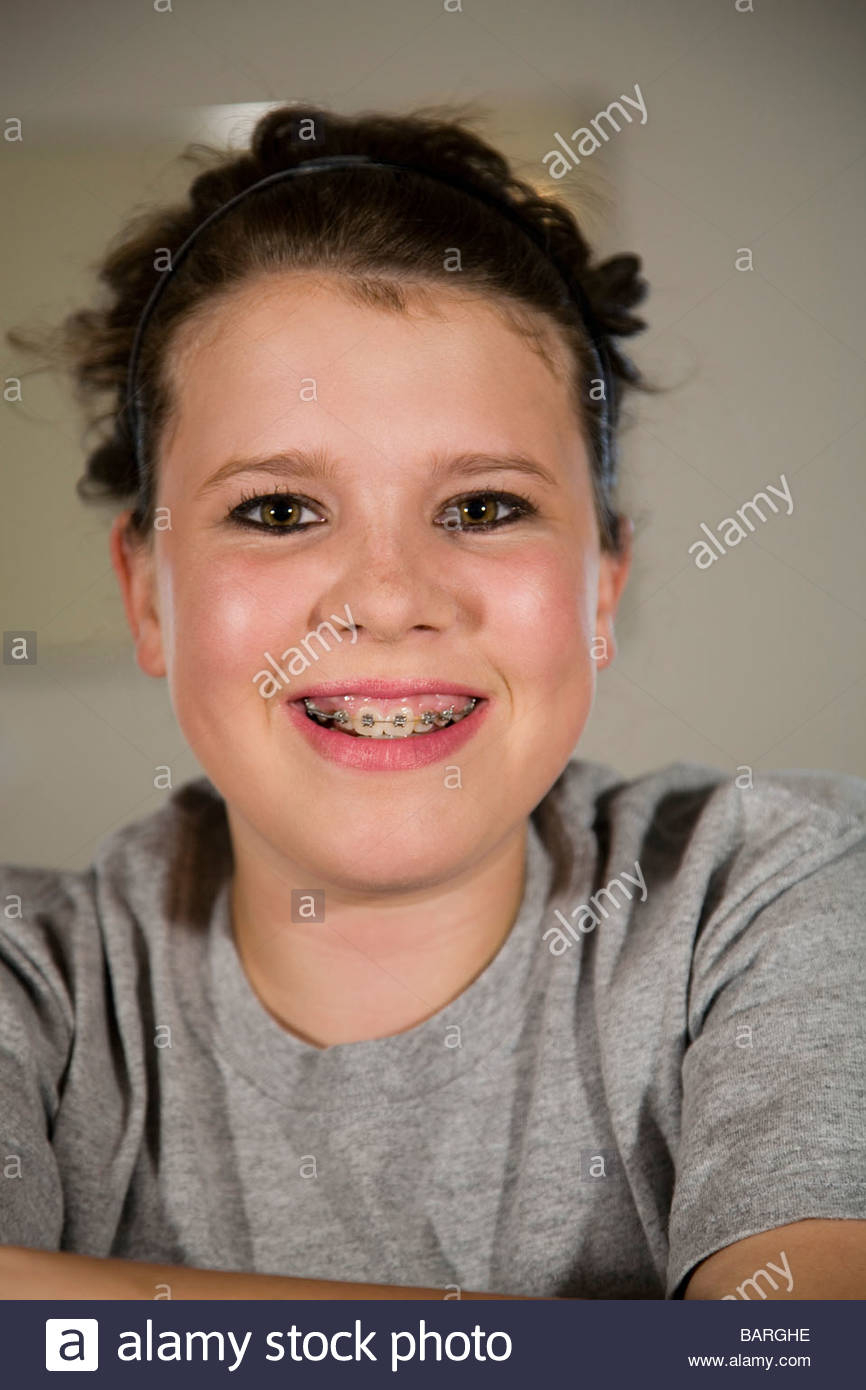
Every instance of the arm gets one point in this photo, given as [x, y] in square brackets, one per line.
[814, 1258]
[53, 1274]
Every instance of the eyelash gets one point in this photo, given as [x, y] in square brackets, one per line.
[522, 506]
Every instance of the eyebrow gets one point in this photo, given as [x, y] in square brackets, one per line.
[314, 463]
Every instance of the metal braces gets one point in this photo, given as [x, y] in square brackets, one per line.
[437, 718]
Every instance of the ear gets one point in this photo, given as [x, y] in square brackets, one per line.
[612, 575]
[133, 562]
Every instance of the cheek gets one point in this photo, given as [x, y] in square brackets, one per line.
[542, 646]
[544, 620]
[223, 620]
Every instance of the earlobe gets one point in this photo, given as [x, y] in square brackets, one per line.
[132, 561]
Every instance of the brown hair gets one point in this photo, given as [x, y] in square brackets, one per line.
[378, 232]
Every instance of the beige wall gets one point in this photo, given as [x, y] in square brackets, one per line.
[754, 139]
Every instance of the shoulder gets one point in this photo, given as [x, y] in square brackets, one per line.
[54, 922]
[166, 842]
[837, 795]
[699, 817]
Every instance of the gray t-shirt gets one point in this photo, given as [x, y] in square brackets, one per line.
[667, 1054]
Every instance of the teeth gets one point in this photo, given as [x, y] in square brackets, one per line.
[368, 721]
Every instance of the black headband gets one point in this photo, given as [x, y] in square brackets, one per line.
[573, 289]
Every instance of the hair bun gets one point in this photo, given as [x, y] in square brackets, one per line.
[111, 468]
[613, 288]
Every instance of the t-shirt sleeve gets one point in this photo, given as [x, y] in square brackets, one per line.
[773, 1116]
[35, 1039]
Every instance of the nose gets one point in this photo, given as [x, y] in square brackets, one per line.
[395, 580]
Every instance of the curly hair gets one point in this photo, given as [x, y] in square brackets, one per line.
[379, 234]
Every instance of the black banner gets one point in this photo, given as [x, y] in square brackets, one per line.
[416, 1343]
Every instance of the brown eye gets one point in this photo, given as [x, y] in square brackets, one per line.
[275, 511]
[479, 509]
[280, 511]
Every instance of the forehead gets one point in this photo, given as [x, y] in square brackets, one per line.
[435, 355]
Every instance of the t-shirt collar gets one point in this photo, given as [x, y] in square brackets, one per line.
[467, 1031]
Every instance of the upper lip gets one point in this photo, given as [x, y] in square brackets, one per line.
[387, 690]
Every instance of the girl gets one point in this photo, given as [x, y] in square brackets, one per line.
[402, 1000]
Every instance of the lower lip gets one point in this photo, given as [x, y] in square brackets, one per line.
[388, 754]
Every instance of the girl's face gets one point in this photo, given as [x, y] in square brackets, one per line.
[386, 417]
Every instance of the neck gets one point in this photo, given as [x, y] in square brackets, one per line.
[377, 965]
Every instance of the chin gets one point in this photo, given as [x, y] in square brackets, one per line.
[390, 866]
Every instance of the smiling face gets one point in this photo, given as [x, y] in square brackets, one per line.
[386, 404]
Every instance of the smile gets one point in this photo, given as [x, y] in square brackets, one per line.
[375, 733]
